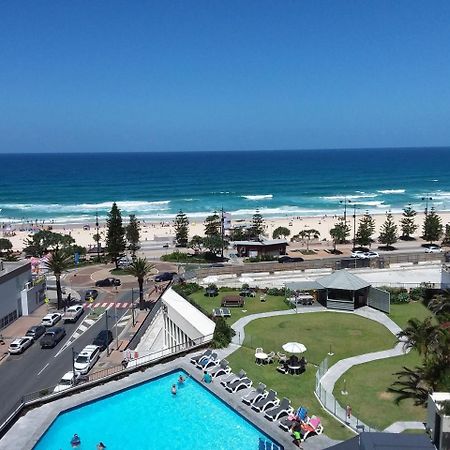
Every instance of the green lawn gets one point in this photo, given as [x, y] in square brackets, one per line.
[349, 335]
[400, 314]
[253, 305]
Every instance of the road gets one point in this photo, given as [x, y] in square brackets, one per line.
[37, 368]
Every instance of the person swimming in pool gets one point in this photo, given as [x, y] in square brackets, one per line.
[75, 442]
[181, 379]
[174, 389]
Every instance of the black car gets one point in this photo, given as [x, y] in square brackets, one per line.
[36, 331]
[165, 276]
[289, 259]
[91, 294]
[52, 337]
[103, 339]
[108, 282]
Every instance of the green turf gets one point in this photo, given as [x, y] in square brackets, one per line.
[253, 305]
[349, 335]
[367, 392]
[400, 314]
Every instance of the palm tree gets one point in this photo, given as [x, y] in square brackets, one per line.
[309, 234]
[58, 263]
[140, 268]
[440, 304]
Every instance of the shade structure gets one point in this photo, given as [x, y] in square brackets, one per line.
[246, 280]
[211, 279]
[294, 347]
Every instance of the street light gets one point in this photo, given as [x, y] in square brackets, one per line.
[73, 365]
[132, 305]
[345, 202]
[354, 226]
[426, 200]
[98, 237]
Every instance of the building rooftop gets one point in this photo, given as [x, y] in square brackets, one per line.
[8, 267]
[386, 441]
[261, 243]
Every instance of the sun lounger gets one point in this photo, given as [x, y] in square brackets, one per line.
[233, 377]
[270, 401]
[313, 426]
[217, 312]
[226, 312]
[195, 359]
[283, 409]
[221, 369]
[255, 395]
[208, 361]
[301, 415]
[242, 383]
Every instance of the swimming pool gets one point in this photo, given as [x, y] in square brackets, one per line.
[148, 416]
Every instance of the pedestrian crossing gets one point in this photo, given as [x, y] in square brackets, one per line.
[107, 305]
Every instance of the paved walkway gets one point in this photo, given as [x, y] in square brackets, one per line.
[337, 370]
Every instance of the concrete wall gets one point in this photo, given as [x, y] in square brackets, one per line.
[32, 297]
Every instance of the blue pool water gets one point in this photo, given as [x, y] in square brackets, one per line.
[150, 417]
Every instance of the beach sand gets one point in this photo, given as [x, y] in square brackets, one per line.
[164, 230]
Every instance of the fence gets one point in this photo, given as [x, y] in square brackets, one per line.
[329, 402]
[47, 394]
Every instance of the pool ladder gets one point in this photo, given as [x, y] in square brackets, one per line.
[267, 445]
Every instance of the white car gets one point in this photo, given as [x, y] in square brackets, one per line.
[358, 254]
[51, 319]
[68, 380]
[433, 249]
[19, 345]
[73, 313]
[370, 255]
[86, 359]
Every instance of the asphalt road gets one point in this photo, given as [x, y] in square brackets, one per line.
[38, 368]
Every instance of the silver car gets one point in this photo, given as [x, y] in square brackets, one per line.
[19, 345]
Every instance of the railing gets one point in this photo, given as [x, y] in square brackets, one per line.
[329, 402]
[47, 394]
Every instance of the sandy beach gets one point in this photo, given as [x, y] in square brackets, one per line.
[154, 230]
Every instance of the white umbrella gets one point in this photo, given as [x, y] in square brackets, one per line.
[294, 347]
[211, 279]
[246, 280]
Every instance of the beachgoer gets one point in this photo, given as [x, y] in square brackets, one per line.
[101, 446]
[181, 380]
[174, 389]
[75, 442]
[207, 378]
[296, 432]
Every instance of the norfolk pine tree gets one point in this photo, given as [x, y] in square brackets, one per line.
[339, 233]
[365, 230]
[115, 235]
[432, 227]
[181, 226]
[257, 228]
[409, 227]
[388, 232]
[212, 225]
[132, 234]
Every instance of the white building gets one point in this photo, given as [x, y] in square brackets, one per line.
[438, 422]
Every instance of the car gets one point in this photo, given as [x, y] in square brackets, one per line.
[91, 294]
[108, 282]
[86, 359]
[433, 249]
[165, 246]
[289, 259]
[73, 313]
[103, 339]
[51, 319]
[35, 332]
[19, 345]
[124, 262]
[370, 255]
[68, 380]
[165, 276]
[52, 337]
[358, 254]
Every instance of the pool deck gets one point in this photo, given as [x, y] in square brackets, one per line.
[26, 432]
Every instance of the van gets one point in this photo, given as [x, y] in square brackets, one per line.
[86, 359]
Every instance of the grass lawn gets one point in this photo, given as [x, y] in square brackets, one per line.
[316, 331]
[253, 305]
[400, 314]
[367, 392]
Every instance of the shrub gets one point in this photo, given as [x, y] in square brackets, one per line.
[276, 291]
[398, 295]
[223, 334]
[186, 289]
[417, 294]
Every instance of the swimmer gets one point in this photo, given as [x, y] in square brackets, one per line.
[181, 379]
[174, 389]
[75, 442]
[101, 446]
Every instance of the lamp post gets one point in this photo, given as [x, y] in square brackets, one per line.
[98, 237]
[132, 306]
[345, 202]
[115, 316]
[426, 200]
[354, 227]
[107, 329]
[73, 365]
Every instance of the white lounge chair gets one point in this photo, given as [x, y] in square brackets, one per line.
[195, 359]
[313, 426]
[232, 377]
[283, 409]
[221, 369]
[207, 361]
[255, 395]
[270, 401]
[241, 383]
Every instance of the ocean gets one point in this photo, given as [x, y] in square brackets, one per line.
[71, 188]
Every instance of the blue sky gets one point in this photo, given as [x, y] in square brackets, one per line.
[223, 75]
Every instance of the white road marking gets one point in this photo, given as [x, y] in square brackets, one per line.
[43, 369]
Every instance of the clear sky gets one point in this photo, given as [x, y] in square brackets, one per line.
[223, 75]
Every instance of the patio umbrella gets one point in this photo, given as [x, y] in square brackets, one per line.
[211, 279]
[247, 280]
[294, 347]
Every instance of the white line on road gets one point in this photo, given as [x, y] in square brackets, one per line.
[43, 369]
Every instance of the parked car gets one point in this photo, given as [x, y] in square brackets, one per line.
[19, 345]
[35, 332]
[51, 319]
[86, 359]
[68, 380]
[52, 337]
[124, 262]
[91, 294]
[370, 255]
[73, 313]
[103, 339]
[358, 254]
[289, 259]
[108, 282]
[165, 276]
[433, 249]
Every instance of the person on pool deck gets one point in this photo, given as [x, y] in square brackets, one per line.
[207, 378]
[174, 389]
